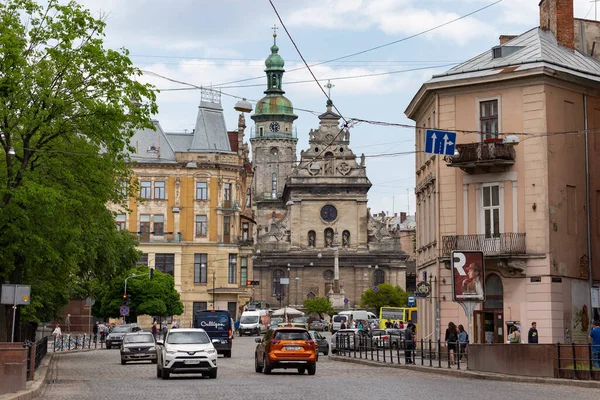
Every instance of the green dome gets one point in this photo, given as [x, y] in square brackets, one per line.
[274, 61]
[274, 104]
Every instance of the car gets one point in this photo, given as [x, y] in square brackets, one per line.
[318, 325]
[292, 325]
[288, 347]
[219, 326]
[351, 339]
[389, 337]
[336, 322]
[186, 351]
[321, 343]
[275, 321]
[115, 338]
[138, 346]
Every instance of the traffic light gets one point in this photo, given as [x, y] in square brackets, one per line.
[125, 298]
[252, 283]
[151, 273]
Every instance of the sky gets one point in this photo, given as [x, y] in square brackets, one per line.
[211, 43]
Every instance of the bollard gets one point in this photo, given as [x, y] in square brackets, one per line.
[391, 354]
[459, 356]
[360, 347]
[62, 343]
[384, 360]
[354, 343]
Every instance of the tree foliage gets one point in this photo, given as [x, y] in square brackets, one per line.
[386, 296]
[319, 305]
[68, 108]
[156, 297]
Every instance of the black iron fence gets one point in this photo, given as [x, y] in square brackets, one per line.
[416, 352]
[35, 353]
[578, 361]
[78, 342]
[503, 243]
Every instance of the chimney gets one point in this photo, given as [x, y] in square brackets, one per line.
[557, 17]
[506, 38]
[402, 217]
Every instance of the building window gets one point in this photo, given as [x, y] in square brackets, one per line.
[245, 231]
[159, 225]
[488, 119]
[248, 197]
[261, 130]
[121, 220]
[159, 190]
[226, 229]
[201, 191]
[200, 267]
[243, 271]
[198, 306]
[232, 308]
[165, 263]
[201, 225]
[378, 277]
[227, 192]
[146, 190]
[277, 286]
[144, 227]
[232, 269]
[273, 185]
[123, 189]
[143, 260]
[491, 210]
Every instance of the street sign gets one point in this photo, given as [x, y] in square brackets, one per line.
[346, 300]
[440, 142]
[376, 289]
[411, 301]
[423, 289]
[90, 301]
[284, 281]
[124, 310]
[16, 294]
[468, 270]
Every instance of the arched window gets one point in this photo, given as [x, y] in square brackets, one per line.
[328, 237]
[277, 286]
[274, 185]
[494, 293]
[310, 296]
[312, 238]
[378, 277]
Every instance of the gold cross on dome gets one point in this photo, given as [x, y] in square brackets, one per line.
[274, 30]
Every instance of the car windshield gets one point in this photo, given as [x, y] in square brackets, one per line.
[179, 337]
[339, 318]
[139, 339]
[276, 320]
[300, 320]
[249, 319]
[121, 329]
[377, 332]
[292, 335]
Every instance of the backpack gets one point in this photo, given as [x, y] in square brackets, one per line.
[452, 337]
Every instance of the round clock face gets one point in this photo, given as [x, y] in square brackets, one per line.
[328, 213]
[274, 127]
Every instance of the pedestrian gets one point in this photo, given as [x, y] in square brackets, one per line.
[174, 324]
[343, 325]
[164, 330]
[155, 330]
[95, 331]
[360, 325]
[594, 339]
[463, 340]
[451, 340]
[236, 326]
[400, 325]
[102, 329]
[532, 337]
[515, 335]
[68, 323]
[57, 332]
[409, 338]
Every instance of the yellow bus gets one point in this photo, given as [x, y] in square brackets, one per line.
[397, 314]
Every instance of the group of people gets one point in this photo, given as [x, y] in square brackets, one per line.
[394, 324]
[457, 340]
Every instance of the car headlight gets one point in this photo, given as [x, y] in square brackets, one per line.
[153, 348]
[126, 350]
[171, 351]
[212, 351]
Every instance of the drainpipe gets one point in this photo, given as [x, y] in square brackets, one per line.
[438, 224]
[587, 199]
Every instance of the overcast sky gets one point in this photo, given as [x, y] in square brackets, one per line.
[207, 42]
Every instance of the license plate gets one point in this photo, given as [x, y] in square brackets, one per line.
[188, 362]
[292, 348]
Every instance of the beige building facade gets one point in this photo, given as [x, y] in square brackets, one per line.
[517, 189]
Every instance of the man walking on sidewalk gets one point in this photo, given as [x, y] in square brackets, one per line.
[595, 340]
[532, 337]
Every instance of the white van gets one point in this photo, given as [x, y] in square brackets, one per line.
[254, 322]
[355, 315]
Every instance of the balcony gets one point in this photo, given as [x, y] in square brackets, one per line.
[505, 244]
[483, 158]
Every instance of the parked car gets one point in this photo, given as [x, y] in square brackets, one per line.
[292, 325]
[115, 338]
[321, 343]
[138, 346]
[186, 351]
[352, 339]
[389, 337]
[336, 322]
[285, 348]
[275, 321]
[319, 325]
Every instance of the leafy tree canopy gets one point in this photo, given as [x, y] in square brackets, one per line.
[319, 305]
[386, 296]
[68, 108]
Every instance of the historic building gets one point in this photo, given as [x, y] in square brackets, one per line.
[193, 214]
[315, 236]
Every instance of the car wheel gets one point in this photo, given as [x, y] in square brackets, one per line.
[212, 374]
[301, 371]
[312, 369]
[123, 362]
[266, 367]
[257, 367]
[158, 372]
[166, 374]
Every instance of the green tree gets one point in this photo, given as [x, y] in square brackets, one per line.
[68, 108]
[319, 305]
[156, 297]
[386, 296]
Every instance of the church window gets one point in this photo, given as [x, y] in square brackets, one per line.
[261, 130]
[328, 275]
[310, 296]
[378, 277]
[277, 286]
[274, 151]
[274, 185]
[248, 197]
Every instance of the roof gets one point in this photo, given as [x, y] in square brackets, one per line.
[210, 133]
[152, 146]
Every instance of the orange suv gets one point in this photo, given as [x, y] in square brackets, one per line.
[285, 348]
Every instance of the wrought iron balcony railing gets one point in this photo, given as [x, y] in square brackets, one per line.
[502, 244]
[475, 158]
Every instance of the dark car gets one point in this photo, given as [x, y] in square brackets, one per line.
[138, 346]
[115, 338]
[219, 327]
[321, 342]
[286, 348]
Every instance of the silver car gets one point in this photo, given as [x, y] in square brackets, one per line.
[138, 347]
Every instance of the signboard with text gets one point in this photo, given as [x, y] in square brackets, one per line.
[468, 272]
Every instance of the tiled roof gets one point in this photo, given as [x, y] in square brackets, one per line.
[152, 146]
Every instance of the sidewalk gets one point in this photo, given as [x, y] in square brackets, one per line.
[463, 373]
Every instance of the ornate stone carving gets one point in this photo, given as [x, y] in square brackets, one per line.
[277, 230]
[344, 168]
[377, 231]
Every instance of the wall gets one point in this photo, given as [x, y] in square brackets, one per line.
[513, 359]
[13, 367]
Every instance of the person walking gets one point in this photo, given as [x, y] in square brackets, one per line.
[532, 336]
[68, 323]
[95, 331]
[155, 330]
[594, 339]
[57, 332]
[515, 335]
[463, 340]
[409, 338]
[451, 340]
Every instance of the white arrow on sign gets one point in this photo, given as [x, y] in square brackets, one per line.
[446, 143]
[433, 138]
[462, 260]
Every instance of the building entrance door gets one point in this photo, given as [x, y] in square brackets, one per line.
[488, 324]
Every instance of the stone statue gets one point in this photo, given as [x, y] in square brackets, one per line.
[346, 239]
[335, 238]
[328, 170]
[328, 238]
[311, 239]
[362, 160]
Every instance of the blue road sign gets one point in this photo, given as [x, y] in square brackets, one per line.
[124, 310]
[346, 300]
[440, 142]
[411, 301]
[376, 289]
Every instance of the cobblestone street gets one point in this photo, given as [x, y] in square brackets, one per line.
[98, 374]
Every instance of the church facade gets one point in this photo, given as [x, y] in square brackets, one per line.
[314, 232]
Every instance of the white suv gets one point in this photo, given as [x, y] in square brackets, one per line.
[186, 351]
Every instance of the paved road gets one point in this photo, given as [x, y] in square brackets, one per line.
[98, 374]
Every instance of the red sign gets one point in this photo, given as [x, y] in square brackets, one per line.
[468, 273]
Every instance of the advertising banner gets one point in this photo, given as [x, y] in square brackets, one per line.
[468, 273]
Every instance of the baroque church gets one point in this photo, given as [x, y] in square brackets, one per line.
[314, 233]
